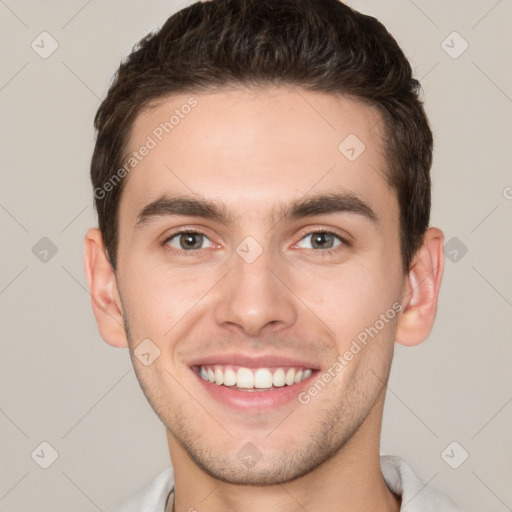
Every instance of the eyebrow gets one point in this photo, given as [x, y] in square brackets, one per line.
[195, 206]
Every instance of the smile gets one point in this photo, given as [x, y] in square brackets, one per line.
[253, 383]
[252, 379]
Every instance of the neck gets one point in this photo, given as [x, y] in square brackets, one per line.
[351, 480]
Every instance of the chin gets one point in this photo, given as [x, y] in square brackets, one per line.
[251, 467]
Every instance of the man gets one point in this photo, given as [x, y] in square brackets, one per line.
[261, 176]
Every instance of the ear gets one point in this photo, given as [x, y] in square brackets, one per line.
[421, 290]
[106, 301]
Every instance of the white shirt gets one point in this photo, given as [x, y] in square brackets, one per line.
[397, 473]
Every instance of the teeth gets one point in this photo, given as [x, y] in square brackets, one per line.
[247, 378]
[229, 377]
[278, 378]
[219, 376]
[244, 378]
[262, 378]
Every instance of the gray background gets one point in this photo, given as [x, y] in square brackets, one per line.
[61, 384]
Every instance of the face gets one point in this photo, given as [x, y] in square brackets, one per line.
[257, 247]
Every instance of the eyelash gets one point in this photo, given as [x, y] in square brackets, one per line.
[327, 252]
[323, 252]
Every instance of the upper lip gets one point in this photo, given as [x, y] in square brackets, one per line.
[254, 361]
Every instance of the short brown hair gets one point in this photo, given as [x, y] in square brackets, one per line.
[318, 45]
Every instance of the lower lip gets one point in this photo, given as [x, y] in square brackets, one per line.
[254, 400]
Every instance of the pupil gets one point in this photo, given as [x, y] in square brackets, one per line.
[190, 240]
[322, 240]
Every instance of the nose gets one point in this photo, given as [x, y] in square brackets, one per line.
[254, 297]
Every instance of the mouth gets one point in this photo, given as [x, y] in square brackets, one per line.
[252, 379]
[253, 384]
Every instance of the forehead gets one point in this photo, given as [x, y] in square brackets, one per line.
[251, 148]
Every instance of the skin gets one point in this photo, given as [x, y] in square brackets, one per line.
[251, 150]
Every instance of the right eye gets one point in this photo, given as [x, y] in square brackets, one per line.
[188, 241]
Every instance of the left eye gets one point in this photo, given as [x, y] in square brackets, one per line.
[189, 240]
[320, 240]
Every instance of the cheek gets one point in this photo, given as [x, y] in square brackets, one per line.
[351, 298]
[157, 298]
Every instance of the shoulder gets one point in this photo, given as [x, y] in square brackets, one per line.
[416, 495]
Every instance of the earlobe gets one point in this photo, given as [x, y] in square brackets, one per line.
[106, 303]
[422, 290]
